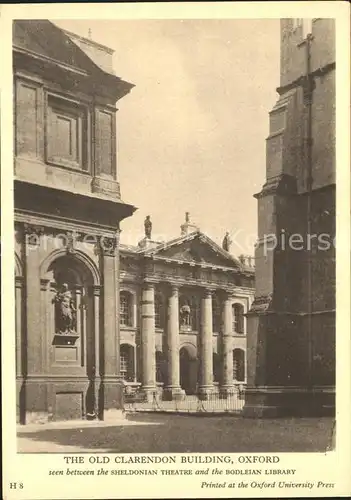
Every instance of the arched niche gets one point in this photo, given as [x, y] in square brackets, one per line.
[74, 350]
[189, 307]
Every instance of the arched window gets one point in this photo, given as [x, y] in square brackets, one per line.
[239, 365]
[159, 311]
[238, 318]
[127, 362]
[125, 309]
[216, 315]
[160, 367]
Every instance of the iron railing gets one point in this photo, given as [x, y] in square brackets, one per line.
[137, 401]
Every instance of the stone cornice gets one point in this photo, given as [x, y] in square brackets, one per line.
[61, 224]
[184, 282]
[301, 81]
[138, 278]
[282, 184]
[178, 262]
[50, 60]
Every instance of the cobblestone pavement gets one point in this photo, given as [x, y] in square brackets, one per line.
[165, 433]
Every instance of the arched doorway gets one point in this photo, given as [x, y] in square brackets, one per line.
[70, 301]
[188, 368]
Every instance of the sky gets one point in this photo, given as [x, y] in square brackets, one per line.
[191, 134]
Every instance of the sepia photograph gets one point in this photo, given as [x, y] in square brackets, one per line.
[142, 298]
[173, 195]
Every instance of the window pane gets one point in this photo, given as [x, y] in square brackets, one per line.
[125, 316]
[159, 312]
[238, 318]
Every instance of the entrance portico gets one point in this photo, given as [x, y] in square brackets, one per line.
[191, 296]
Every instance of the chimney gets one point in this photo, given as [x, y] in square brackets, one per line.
[100, 54]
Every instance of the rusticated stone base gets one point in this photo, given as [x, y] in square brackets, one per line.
[271, 402]
[37, 417]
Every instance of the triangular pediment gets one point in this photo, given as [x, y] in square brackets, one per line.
[196, 248]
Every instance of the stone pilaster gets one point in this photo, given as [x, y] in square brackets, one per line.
[206, 348]
[35, 391]
[173, 390]
[227, 387]
[19, 346]
[111, 392]
[148, 340]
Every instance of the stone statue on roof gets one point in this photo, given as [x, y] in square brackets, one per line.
[226, 242]
[148, 227]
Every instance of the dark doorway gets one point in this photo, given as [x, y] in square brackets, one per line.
[188, 369]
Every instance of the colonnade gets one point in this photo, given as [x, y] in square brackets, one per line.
[173, 390]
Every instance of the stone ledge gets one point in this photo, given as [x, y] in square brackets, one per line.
[107, 187]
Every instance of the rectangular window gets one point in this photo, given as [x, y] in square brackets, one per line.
[66, 136]
[123, 366]
[125, 310]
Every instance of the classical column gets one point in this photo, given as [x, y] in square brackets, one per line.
[112, 388]
[18, 319]
[32, 236]
[36, 406]
[97, 353]
[19, 349]
[148, 340]
[206, 347]
[227, 387]
[173, 389]
[79, 310]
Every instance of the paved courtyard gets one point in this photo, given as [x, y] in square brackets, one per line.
[165, 433]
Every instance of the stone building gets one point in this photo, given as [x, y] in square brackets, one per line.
[67, 209]
[182, 315]
[291, 324]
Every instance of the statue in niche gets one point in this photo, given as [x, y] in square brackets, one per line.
[226, 242]
[65, 317]
[185, 313]
[148, 227]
